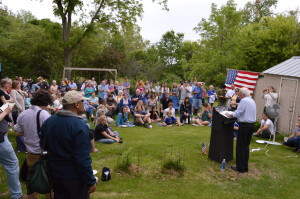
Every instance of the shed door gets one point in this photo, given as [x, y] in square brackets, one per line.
[287, 102]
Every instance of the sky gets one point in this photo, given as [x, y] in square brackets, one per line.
[183, 15]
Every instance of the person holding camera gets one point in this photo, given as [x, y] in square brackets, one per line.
[270, 95]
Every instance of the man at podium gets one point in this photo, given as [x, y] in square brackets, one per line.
[246, 116]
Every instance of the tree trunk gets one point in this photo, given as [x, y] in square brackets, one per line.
[67, 57]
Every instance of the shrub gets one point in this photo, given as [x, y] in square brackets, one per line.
[126, 161]
[174, 164]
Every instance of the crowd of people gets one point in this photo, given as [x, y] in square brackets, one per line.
[65, 112]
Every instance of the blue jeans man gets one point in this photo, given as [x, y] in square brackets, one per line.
[9, 161]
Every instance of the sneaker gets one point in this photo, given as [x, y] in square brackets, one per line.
[150, 126]
[195, 124]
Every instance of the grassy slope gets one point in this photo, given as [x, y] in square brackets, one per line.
[274, 176]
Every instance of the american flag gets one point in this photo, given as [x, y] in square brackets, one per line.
[241, 79]
[203, 149]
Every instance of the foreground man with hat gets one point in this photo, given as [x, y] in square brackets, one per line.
[68, 146]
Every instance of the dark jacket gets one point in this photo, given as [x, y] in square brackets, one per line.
[68, 146]
[185, 109]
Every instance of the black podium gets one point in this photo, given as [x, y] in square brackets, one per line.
[221, 139]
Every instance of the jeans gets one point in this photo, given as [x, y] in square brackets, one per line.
[20, 144]
[197, 103]
[90, 110]
[293, 142]
[109, 141]
[9, 161]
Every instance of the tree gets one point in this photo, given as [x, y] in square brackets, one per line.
[254, 11]
[219, 38]
[109, 13]
[269, 42]
[169, 47]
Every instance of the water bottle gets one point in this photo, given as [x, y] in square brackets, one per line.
[186, 120]
[223, 165]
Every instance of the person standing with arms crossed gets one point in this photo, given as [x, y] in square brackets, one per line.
[246, 116]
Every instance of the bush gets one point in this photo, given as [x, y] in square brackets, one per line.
[256, 126]
[175, 165]
[125, 162]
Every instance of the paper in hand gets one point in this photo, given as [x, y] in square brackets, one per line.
[5, 106]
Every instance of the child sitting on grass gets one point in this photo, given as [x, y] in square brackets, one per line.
[170, 120]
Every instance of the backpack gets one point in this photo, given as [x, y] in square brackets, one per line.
[105, 174]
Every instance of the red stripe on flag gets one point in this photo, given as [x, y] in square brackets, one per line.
[248, 78]
[245, 82]
[239, 86]
[248, 73]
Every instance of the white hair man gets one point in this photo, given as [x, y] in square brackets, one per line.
[246, 116]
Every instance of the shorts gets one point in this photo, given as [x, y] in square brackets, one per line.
[197, 103]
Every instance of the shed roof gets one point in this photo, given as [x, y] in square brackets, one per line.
[290, 67]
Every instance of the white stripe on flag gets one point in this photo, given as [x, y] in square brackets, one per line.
[244, 85]
[246, 80]
[247, 75]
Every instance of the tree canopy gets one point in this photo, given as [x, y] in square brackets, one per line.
[253, 38]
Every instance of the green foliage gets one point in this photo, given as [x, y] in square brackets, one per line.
[254, 38]
[125, 161]
[176, 165]
[267, 176]
[254, 11]
[256, 126]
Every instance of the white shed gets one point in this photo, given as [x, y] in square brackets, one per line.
[284, 77]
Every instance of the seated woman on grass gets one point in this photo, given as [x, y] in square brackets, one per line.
[89, 109]
[294, 139]
[142, 117]
[122, 118]
[119, 97]
[266, 128]
[205, 116]
[170, 120]
[185, 111]
[125, 101]
[104, 134]
[111, 105]
[102, 110]
[152, 106]
[94, 101]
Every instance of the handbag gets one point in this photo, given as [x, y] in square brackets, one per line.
[38, 178]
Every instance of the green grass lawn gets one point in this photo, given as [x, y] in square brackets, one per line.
[271, 176]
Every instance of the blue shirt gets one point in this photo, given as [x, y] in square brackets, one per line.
[102, 94]
[72, 86]
[34, 88]
[126, 84]
[170, 120]
[121, 120]
[197, 95]
[246, 111]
